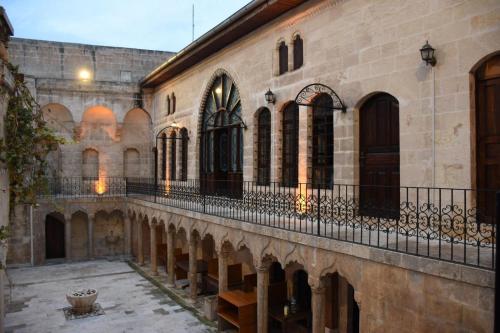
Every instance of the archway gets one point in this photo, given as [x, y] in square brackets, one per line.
[221, 145]
[54, 236]
[379, 156]
[487, 118]
[341, 309]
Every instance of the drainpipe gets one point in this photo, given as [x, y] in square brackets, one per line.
[31, 237]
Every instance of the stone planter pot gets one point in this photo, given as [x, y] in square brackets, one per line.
[82, 301]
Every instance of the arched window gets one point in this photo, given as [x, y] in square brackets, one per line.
[168, 105]
[184, 156]
[283, 57]
[173, 103]
[163, 156]
[322, 142]
[290, 142]
[298, 52]
[173, 156]
[131, 163]
[264, 147]
[90, 163]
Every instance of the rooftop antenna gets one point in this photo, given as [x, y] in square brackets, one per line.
[193, 21]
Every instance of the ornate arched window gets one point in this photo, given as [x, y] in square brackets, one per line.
[298, 52]
[283, 57]
[221, 146]
[168, 105]
[322, 142]
[184, 152]
[163, 156]
[173, 103]
[290, 145]
[173, 155]
[264, 147]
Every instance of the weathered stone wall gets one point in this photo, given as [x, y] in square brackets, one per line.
[357, 48]
[395, 292]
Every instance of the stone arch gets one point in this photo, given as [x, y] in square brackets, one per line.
[59, 119]
[54, 232]
[98, 124]
[79, 235]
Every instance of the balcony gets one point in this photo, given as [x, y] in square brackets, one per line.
[448, 224]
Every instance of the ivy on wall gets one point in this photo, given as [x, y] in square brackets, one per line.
[27, 142]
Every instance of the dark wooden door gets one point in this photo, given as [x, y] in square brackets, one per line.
[54, 238]
[221, 161]
[488, 135]
[379, 157]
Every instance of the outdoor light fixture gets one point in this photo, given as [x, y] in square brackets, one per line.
[84, 75]
[218, 90]
[270, 97]
[174, 125]
[427, 53]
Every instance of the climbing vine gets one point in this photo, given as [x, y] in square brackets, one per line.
[27, 142]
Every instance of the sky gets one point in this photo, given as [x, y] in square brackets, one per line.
[164, 25]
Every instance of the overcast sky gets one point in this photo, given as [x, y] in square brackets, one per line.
[149, 24]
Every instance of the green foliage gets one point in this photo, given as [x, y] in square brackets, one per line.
[27, 142]
[4, 233]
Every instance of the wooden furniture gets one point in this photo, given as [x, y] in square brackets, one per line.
[249, 282]
[211, 282]
[237, 309]
[277, 313]
[180, 272]
[161, 251]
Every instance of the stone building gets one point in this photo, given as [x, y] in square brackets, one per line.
[309, 146]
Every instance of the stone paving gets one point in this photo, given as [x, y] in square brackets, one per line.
[36, 299]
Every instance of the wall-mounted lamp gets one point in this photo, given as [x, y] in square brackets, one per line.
[270, 97]
[427, 54]
[174, 125]
[84, 75]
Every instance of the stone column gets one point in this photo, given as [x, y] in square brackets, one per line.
[67, 236]
[318, 309]
[222, 261]
[170, 258]
[193, 274]
[90, 237]
[140, 250]
[262, 298]
[154, 257]
[128, 236]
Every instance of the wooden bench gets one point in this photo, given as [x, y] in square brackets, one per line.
[212, 277]
[237, 309]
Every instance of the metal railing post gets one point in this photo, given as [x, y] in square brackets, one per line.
[319, 210]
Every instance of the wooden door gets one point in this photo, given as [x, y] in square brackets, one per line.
[54, 238]
[379, 157]
[488, 135]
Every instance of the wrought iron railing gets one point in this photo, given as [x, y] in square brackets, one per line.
[456, 225]
[91, 187]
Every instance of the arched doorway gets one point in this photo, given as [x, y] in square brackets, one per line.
[54, 236]
[221, 155]
[379, 156]
[487, 95]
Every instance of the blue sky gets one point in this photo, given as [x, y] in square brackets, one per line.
[148, 24]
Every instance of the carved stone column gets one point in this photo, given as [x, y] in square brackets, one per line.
[222, 261]
[90, 237]
[67, 236]
[318, 309]
[140, 249]
[154, 257]
[262, 298]
[193, 273]
[170, 258]
[128, 236]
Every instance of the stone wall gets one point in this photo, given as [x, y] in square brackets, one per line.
[357, 48]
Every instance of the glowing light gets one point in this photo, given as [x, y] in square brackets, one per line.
[100, 185]
[84, 75]
[218, 90]
[174, 124]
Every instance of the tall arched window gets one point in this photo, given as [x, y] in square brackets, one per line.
[163, 156]
[290, 148]
[221, 162]
[322, 144]
[168, 104]
[131, 163]
[264, 147]
[90, 163]
[173, 155]
[184, 156]
[283, 57]
[173, 103]
[298, 52]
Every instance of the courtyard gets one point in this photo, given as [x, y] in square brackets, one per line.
[130, 302]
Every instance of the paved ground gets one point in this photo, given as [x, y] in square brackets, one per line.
[130, 302]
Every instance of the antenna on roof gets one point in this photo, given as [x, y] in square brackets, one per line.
[193, 21]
